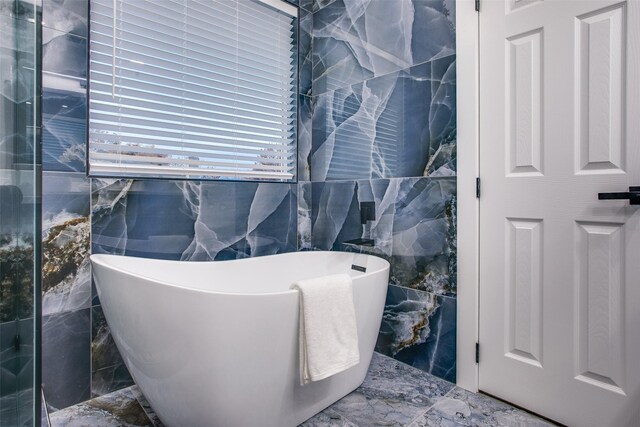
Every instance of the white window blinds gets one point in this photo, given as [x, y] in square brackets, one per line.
[193, 89]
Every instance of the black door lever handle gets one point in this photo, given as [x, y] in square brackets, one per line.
[633, 195]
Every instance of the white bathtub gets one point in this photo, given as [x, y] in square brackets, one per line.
[216, 343]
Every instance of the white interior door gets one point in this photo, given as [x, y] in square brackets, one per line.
[559, 269]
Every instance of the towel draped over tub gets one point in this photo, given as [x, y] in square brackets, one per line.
[328, 333]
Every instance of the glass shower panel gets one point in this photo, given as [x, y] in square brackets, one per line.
[19, 206]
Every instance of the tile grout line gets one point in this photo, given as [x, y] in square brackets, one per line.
[389, 178]
[431, 407]
[346, 419]
[453, 297]
[136, 396]
[454, 386]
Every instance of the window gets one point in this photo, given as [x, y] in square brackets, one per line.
[193, 89]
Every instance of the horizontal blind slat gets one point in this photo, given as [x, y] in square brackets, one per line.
[161, 161]
[109, 169]
[279, 157]
[151, 127]
[162, 139]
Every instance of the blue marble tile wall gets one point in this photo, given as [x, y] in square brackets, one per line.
[383, 89]
[193, 221]
[383, 124]
[185, 220]
[66, 199]
[378, 87]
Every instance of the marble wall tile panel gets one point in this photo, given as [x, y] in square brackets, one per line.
[355, 40]
[67, 16]
[104, 353]
[108, 371]
[419, 328]
[109, 379]
[306, 4]
[193, 221]
[304, 216]
[414, 227]
[319, 4]
[304, 133]
[66, 228]
[384, 110]
[335, 214]
[140, 218]
[415, 231]
[424, 239]
[63, 54]
[402, 124]
[66, 358]
[64, 124]
[305, 52]
[64, 74]
[108, 220]
[304, 138]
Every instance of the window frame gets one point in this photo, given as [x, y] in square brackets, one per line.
[299, 61]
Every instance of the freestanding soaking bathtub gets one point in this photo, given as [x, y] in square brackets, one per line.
[216, 343]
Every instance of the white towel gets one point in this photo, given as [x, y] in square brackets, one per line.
[328, 334]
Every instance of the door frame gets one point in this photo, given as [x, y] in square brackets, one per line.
[468, 169]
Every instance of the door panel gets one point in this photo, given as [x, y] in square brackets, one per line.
[524, 291]
[524, 94]
[599, 293]
[559, 269]
[600, 90]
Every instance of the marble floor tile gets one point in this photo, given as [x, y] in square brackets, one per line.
[463, 408]
[118, 409]
[328, 418]
[393, 394]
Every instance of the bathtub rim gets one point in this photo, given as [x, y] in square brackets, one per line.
[99, 259]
